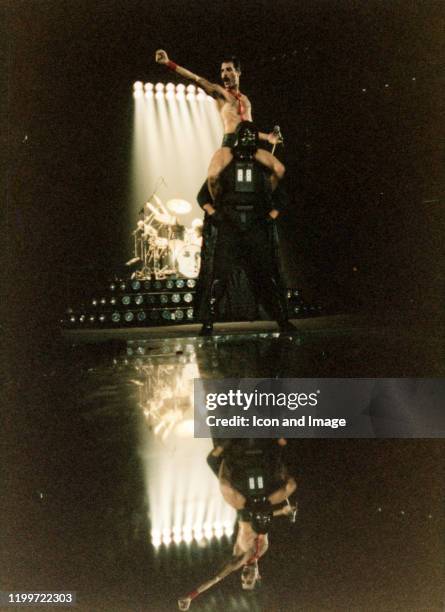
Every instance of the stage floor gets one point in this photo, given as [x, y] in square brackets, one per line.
[101, 465]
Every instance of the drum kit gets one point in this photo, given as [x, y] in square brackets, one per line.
[164, 246]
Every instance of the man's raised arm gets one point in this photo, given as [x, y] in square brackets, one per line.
[211, 88]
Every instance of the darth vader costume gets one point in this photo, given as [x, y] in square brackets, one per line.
[240, 277]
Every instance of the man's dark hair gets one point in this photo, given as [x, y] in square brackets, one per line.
[235, 61]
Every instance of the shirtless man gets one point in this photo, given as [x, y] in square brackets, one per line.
[251, 544]
[234, 108]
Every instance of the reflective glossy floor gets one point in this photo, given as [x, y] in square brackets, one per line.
[108, 494]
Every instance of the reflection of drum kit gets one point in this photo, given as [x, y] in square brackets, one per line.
[162, 244]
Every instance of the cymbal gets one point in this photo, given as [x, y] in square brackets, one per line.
[179, 207]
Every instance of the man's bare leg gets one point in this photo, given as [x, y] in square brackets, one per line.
[273, 164]
[220, 160]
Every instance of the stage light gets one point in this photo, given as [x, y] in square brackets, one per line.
[126, 300]
[191, 283]
[103, 301]
[180, 88]
[135, 285]
[157, 284]
[138, 86]
[147, 285]
[141, 316]
[129, 316]
[139, 299]
[148, 95]
[94, 302]
[176, 298]
[73, 319]
[92, 318]
[122, 286]
[166, 315]
[148, 86]
[364, 89]
[116, 317]
[179, 315]
[112, 286]
[188, 297]
[154, 315]
[169, 284]
[180, 283]
[113, 300]
[102, 318]
[386, 84]
[170, 87]
[151, 299]
[82, 318]
[191, 89]
[189, 313]
[159, 87]
[163, 298]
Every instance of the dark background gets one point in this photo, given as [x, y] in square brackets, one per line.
[364, 168]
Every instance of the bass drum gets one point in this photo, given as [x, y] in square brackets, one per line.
[188, 260]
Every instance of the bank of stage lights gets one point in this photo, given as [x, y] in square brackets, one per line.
[168, 91]
[138, 302]
[201, 534]
[149, 303]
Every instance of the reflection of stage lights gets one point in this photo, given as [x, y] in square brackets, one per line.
[159, 87]
[126, 300]
[176, 298]
[139, 299]
[179, 315]
[102, 318]
[191, 283]
[141, 316]
[147, 285]
[116, 317]
[180, 283]
[163, 298]
[169, 284]
[113, 300]
[189, 313]
[188, 297]
[129, 316]
[135, 285]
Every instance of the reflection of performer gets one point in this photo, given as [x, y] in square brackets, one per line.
[239, 234]
[255, 512]
[234, 108]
